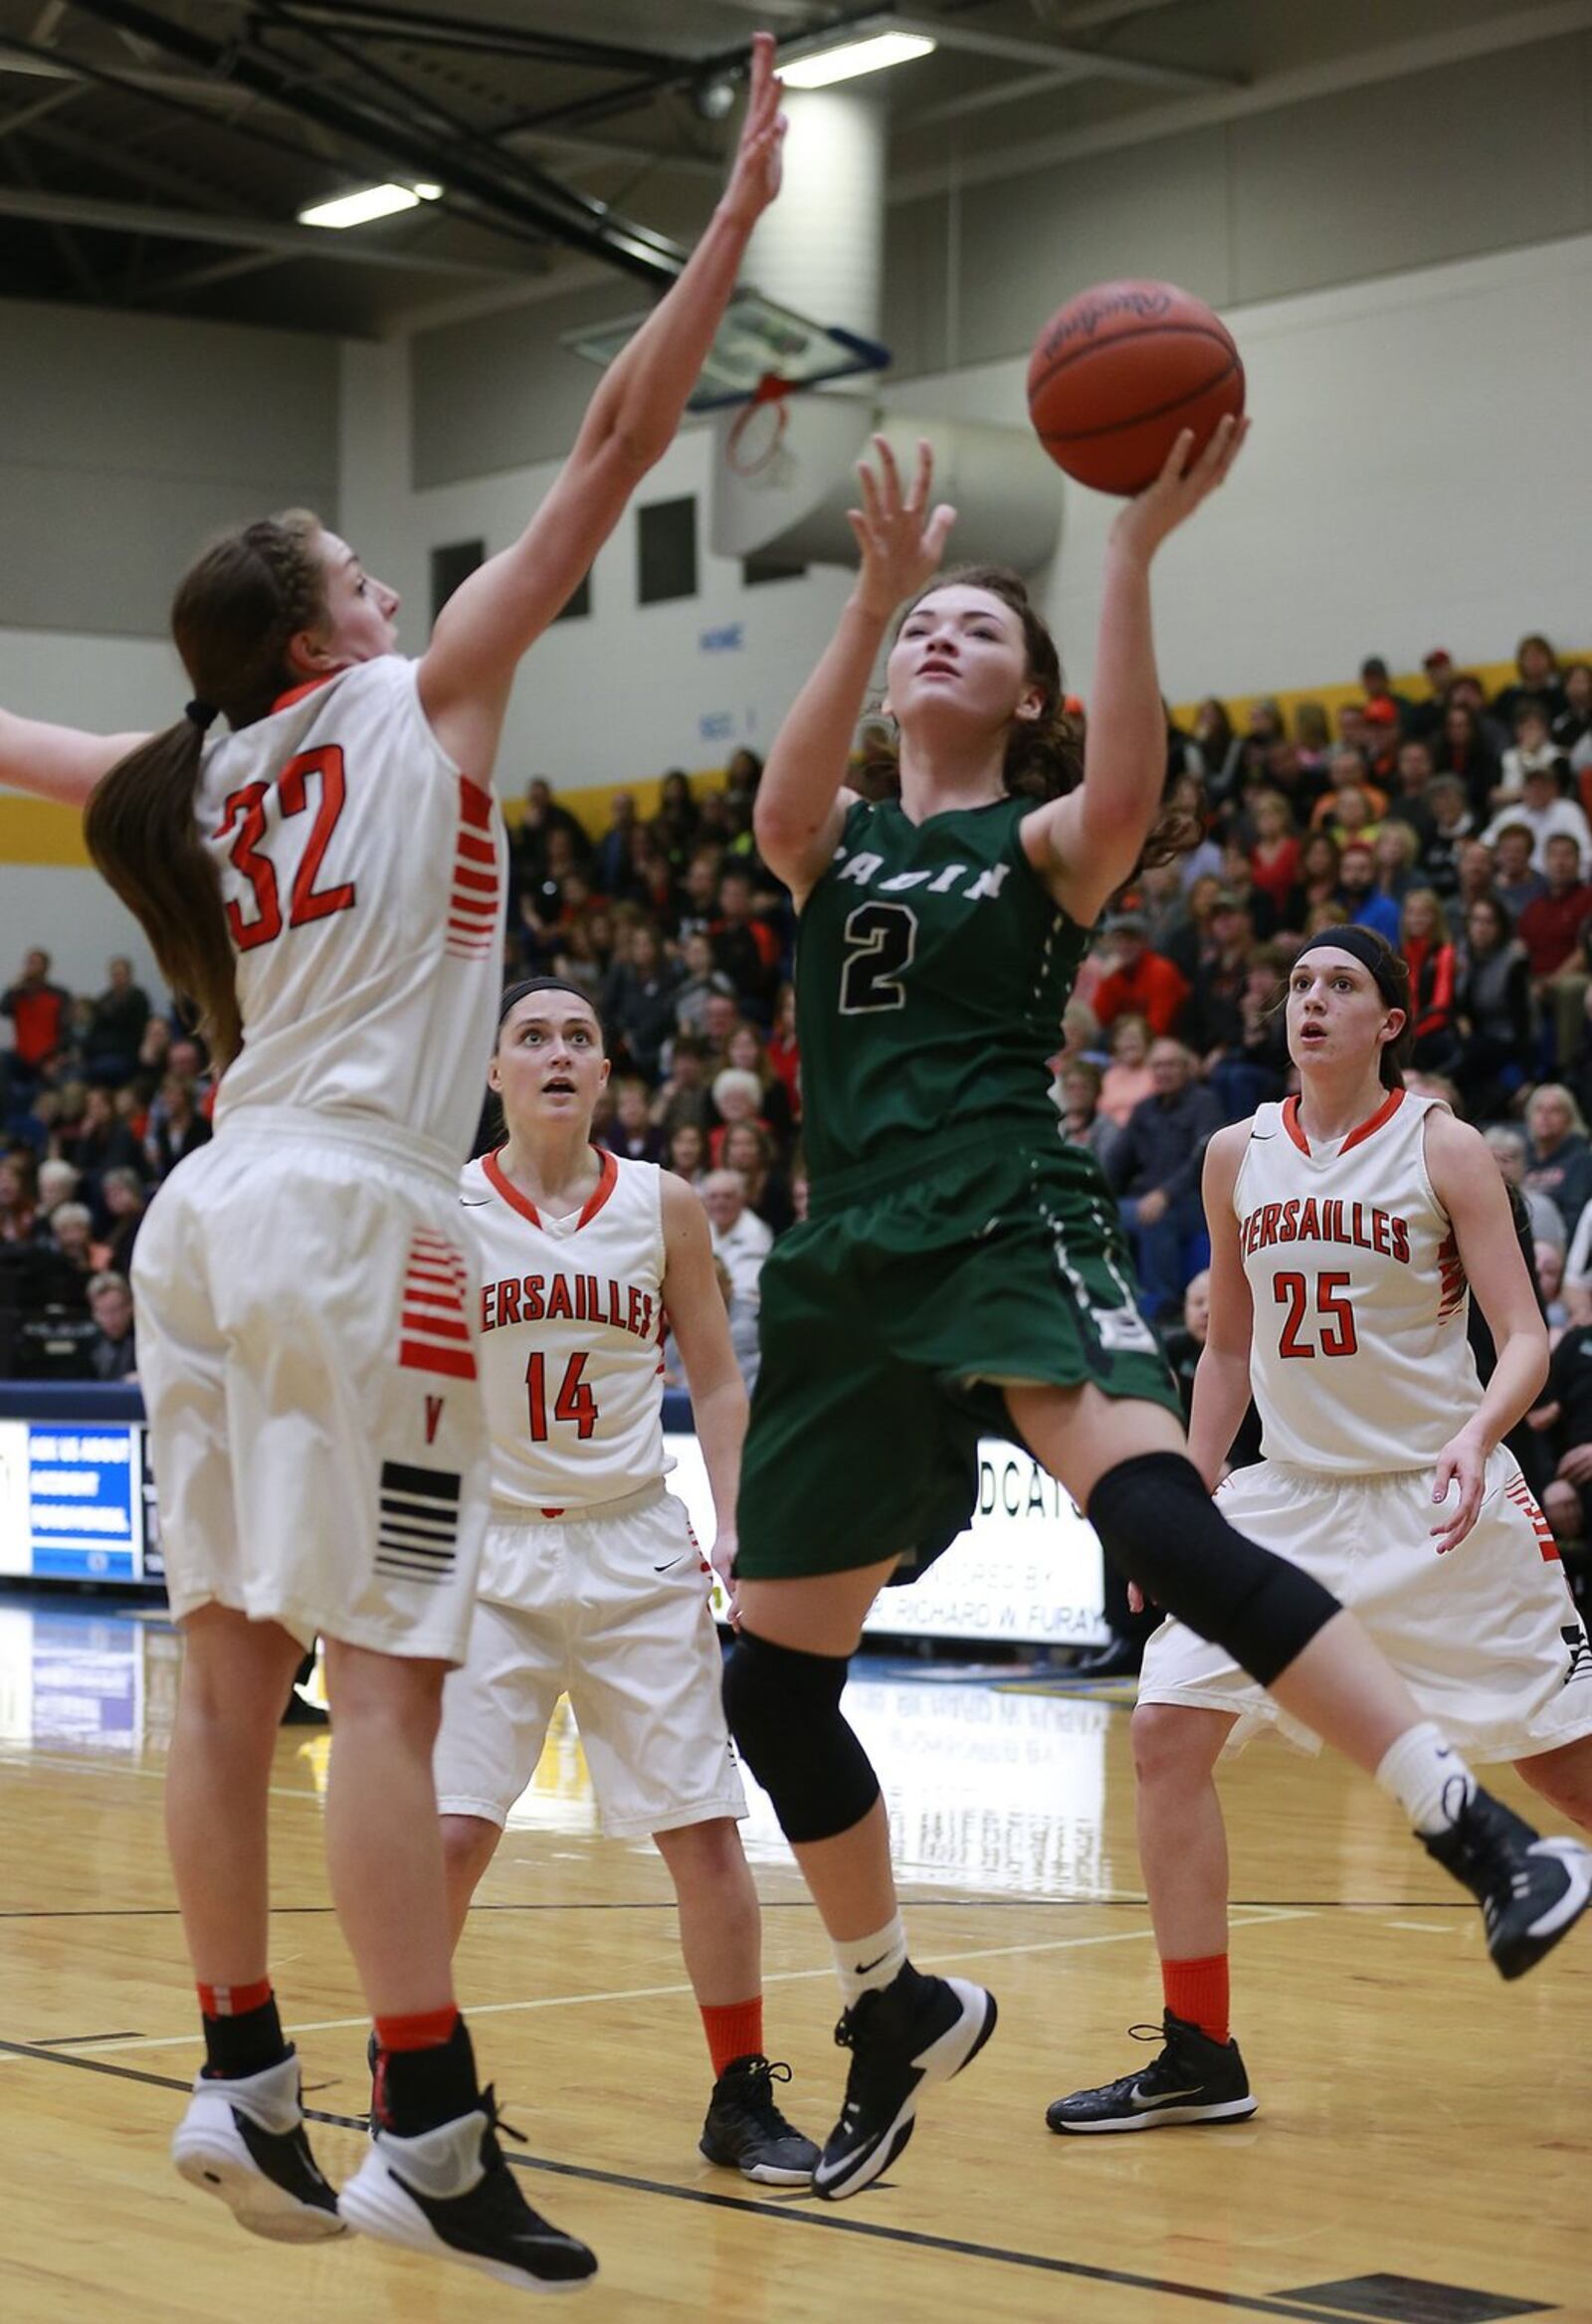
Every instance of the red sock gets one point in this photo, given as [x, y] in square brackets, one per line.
[1197, 1991]
[733, 2030]
[427, 2030]
[233, 2001]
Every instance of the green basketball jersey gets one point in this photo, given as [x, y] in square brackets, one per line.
[932, 967]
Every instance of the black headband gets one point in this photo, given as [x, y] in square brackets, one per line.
[544, 984]
[203, 714]
[1367, 951]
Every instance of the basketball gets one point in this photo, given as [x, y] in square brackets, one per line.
[1119, 370]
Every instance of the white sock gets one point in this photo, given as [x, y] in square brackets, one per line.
[1428, 1778]
[869, 1964]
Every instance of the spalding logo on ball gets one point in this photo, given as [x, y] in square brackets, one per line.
[1118, 371]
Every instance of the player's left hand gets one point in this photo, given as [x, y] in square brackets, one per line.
[755, 180]
[1461, 1461]
[721, 1557]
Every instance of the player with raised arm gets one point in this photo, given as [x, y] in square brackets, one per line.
[1349, 1225]
[962, 1269]
[591, 1582]
[326, 881]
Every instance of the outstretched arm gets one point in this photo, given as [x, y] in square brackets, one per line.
[800, 801]
[1467, 1183]
[1222, 1380]
[58, 762]
[499, 612]
[698, 1317]
[1085, 845]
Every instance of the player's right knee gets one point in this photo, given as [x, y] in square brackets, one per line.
[783, 1709]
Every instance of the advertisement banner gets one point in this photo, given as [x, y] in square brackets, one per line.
[85, 1502]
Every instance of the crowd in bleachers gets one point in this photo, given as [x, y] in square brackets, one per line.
[1453, 819]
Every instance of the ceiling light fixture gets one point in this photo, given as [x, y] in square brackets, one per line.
[817, 68]
[369, 202]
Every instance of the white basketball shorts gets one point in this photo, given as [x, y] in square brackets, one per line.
[611, 1608]
[306, 1312]
[1487, 1636]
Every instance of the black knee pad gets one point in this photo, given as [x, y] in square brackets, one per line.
[783, 1709]
[1157, 1523]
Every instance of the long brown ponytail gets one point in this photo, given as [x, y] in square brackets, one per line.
[234, 615]
[1043, 756]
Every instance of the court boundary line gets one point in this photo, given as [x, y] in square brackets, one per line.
[802, 2212]
[1260, 1905]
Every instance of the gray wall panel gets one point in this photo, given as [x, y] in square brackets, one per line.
[125, 441]
[499, 392]
[1477, 156]
[1030, 241]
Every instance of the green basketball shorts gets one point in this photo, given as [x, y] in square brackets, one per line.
[891, 1318]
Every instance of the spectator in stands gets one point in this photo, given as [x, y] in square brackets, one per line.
[744, 947]
[1212, 1022]
[613, 857]
[177, 1126]
[720, 1020]
[1451, 824]
[676, 824]
[1537, 678]
[18, 1197]
[1187, 799]
[748, 1148]
[1317, 881]
[1428, 950]
[1507, 1142]
[40, 1014]
[69, 1238]
[1544, 812]
[1379, 693]
[698, 905]
[1533, 748]
[1313, 738]
[1408, 801]
[1572, 728]
[1515, 880]
[1394, 851]
[1154, 1169]
[629, 1131]
[739, 1237]
[1559, 1162]
[1275, 855]
[783, 1053]
[116, 1020]
[639, 998]
[1565, 1414]
[1547, 1265]
[1127, 1079]
[1426, 716]
[1493, 994]
[539, 820]
[58, 1184]
[100, 1140]
[1136, 978]
[1550, 929]
[684, 1096]
[1364, 905]
[123, 1194]
[112, 1352]
[747, 1052]
[686, 1152]
[1462, 749]
[652, 880]
[1077, 1096]
[700, 978]
[1214, 752]
[1352, 803]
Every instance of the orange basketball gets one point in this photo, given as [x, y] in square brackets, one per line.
[1118, 371]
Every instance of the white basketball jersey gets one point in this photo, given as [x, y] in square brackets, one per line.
[362, 877]
[1360, 1361]
[570, 1337]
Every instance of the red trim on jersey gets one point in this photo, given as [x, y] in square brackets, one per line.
[298, 693]
[500, 1184]
[1368, 1129]
[605, 1187]
[608, 1179]
[1356, 1138]
[475, 804]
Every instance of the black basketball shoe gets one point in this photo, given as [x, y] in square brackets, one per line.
[449, 2191]
[919, 2029]
[244, 2140]
[1195, 2079]
[746, 2132]
[1531, 1891]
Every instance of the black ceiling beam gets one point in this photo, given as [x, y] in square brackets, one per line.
[535, 199]
[478, 34]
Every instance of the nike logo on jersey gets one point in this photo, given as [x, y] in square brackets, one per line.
[673, 1563]
[473, 1201]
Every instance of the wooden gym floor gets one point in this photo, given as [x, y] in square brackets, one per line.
[1422, 2153]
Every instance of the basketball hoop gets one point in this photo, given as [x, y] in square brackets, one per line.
[753, 447]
